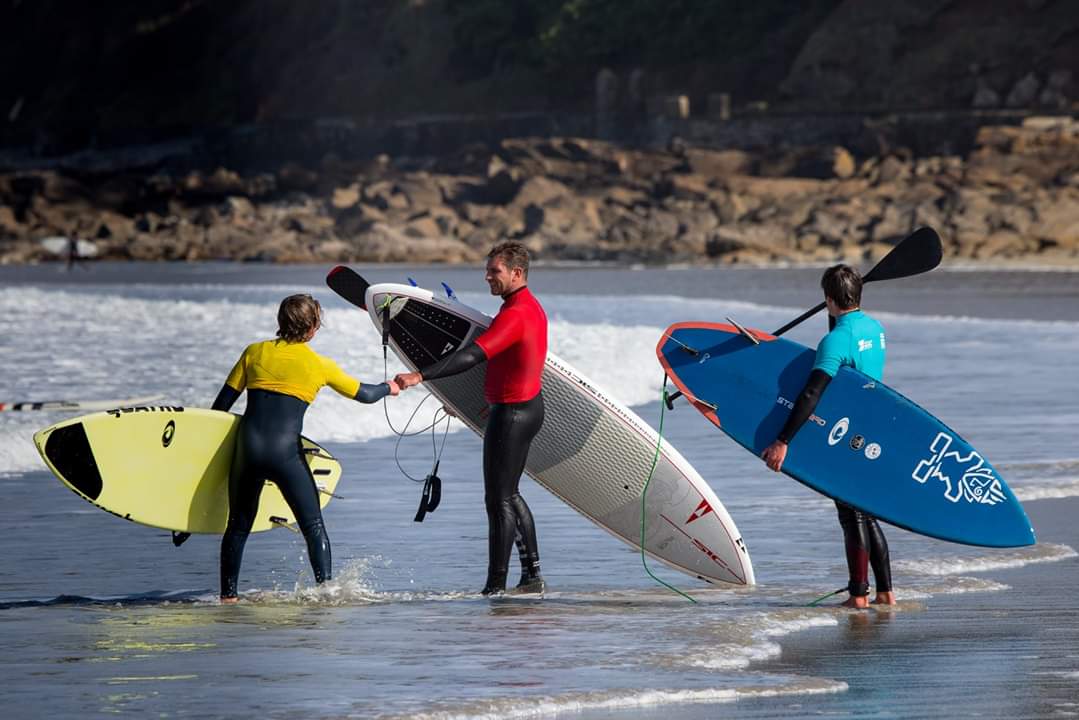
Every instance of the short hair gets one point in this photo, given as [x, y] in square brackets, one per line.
[297, 317]
[512, 255]
[843, 285]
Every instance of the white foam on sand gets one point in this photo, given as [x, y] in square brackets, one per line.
[756, 636]
[1005, 559]
[613, 700]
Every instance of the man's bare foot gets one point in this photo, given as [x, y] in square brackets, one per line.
[229, 600]
[858, 602]
[884, 598]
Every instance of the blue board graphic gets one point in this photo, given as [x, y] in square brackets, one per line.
[865, 444]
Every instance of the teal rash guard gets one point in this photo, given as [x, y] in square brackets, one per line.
[857, 341]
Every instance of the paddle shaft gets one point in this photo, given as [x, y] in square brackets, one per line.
[917, 253]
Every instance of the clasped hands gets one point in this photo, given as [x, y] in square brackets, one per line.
[406, 380]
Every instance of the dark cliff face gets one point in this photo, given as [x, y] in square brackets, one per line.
[81, 74]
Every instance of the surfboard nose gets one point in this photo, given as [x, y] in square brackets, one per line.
[67, 450]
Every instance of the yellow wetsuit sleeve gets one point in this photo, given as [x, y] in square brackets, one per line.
[237, 379]
[338, 379]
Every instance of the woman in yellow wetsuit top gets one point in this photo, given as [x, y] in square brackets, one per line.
[281, 377]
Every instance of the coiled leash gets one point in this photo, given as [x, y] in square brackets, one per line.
[432, 484]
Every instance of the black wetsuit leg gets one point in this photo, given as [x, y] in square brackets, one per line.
[269, 448]
[856, 542]
[510, 430]
[878, 556]
[525, 539]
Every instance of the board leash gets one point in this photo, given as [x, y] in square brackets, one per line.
[432, 484]
[644, 495]
[825, 597]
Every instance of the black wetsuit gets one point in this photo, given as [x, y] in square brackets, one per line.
[863, 540]
[515, 347]
[269, 448]
[511, 428]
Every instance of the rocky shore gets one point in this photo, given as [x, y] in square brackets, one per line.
[1015, 198]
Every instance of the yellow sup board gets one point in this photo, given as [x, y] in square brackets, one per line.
[166, 466]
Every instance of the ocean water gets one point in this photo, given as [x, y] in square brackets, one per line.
[103, 617]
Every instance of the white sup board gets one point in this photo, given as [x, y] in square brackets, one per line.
[592, 452]
[165, 466]
[59, 245]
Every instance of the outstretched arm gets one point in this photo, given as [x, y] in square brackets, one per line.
[368, 393]
[776, 453]
[464, 359]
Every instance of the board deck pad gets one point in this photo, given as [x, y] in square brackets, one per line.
[165, 466]
[865, 444]
[592, 452]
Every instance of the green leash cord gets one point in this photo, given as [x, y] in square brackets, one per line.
[644, 493]
[825, 597]
[644, 496]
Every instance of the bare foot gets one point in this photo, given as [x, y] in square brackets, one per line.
[885, 598]
[858, 602]
[229, 600]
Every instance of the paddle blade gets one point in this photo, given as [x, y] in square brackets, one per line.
[917, 253]
[349, 284]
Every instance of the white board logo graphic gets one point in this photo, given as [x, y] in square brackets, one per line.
[838, 431]
[872, 451]
[964, 476]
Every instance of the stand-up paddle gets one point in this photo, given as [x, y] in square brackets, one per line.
[915, 254]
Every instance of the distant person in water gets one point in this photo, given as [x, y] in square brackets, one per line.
[282, 377]
[856, 340]
[75, 254]
[515, 350]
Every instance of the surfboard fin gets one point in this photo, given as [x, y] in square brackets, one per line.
[669, 398]
[449, 291]
[743, 331]
[322, 489]
[282, 522]
[179, 538]
[685, 348]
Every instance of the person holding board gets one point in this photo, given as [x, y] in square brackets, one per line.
[857, 341]
[515, 350]
[282, 377]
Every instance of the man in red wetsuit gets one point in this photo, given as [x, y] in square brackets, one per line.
[515, 349]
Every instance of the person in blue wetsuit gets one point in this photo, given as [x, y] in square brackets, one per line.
[855, 340]
[282, 377]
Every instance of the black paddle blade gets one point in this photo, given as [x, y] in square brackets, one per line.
[348, 283]
[917, 253]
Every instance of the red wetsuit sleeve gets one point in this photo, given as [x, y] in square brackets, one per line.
[507, 329]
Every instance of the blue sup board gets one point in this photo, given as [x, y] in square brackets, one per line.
[865, 444]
